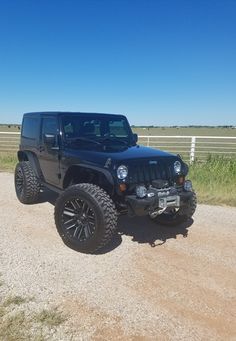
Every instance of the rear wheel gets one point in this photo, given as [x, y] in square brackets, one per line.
[27, 185]
[173, 216]
[85, 217]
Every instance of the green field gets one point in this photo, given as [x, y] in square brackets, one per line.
[201, 131]
[10, 127]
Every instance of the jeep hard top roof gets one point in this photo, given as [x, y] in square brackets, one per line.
[60, 113]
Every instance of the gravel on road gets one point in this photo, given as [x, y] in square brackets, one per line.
[151, 283]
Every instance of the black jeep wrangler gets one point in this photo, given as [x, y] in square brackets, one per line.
[94, 162]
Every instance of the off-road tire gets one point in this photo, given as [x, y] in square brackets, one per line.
[27, 185]
[104, 211]
[180, 216]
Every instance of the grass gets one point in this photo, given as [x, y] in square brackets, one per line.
[1, 281]
[16, 300]
[2, 311]
[10, 127]
[17, 325]
[7, 161]
[215, 181]
[51, 318]
[188, 131]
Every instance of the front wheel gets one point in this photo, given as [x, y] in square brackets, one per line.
[85, 217]
[173, 216]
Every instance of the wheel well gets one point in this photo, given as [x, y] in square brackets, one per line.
[32, 158]
[77, 174]
[22, 156]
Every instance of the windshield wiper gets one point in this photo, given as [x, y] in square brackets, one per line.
[113, 139]
[84, 139]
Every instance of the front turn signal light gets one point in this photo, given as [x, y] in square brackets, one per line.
[180, 180]
[122, 187]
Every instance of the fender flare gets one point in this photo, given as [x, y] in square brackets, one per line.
[32, 158]
[100, 170]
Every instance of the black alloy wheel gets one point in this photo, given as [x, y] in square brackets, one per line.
[85, 217]
[79, 219]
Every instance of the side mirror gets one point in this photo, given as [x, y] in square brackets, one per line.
[135, 137]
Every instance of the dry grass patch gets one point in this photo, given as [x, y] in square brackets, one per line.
[2, 311]
[17, 300]
[16, 324]
[50, 317]
[14, 327]
[21, 327]
[8, 161]
[1, 281]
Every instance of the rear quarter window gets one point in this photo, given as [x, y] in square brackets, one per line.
[30, 127]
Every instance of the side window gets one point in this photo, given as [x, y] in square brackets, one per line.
[70, 126]
[49, 126]
[30, 128]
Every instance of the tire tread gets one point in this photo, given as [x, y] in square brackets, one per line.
[32, 186]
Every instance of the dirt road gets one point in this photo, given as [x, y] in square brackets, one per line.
[152, 283]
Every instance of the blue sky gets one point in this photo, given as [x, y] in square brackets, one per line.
[160, 62]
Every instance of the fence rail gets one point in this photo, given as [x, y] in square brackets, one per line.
[9, 141]
[191, 148]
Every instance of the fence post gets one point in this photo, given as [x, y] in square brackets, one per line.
[192, 150]
[148, 141]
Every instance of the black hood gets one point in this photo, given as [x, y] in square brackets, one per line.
[134, 153]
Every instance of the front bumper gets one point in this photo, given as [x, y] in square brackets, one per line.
[161, 200]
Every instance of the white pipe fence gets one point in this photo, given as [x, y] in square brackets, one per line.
[191, 148]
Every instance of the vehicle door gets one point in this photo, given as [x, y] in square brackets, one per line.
[49, 151]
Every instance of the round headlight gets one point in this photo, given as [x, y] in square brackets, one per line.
[122, 172]
[141, 191]
[177, 167]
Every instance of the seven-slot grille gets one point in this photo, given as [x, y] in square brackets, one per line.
[145, 172]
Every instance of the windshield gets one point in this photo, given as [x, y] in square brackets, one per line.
[94, 130]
